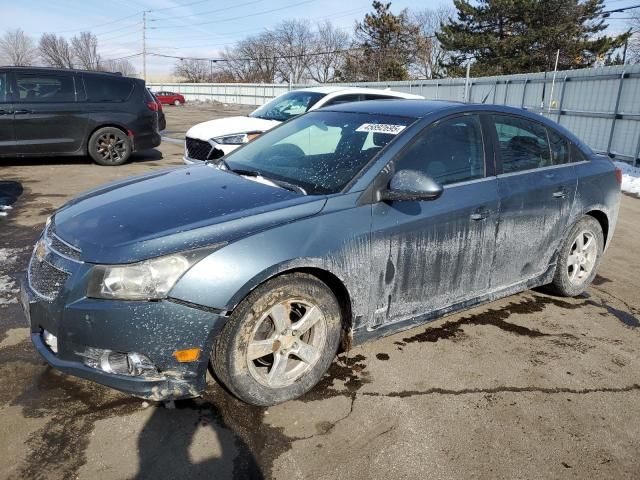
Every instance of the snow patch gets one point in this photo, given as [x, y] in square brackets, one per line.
[8, 290]
[630, 177]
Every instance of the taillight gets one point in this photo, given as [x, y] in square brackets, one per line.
[153, 106]
[619, 176]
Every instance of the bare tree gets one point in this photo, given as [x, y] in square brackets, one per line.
[123, 66]
[327, 49]
[429, 54]
[55, 51]
[17, 48]
[252, 59]
[294, 42]
[192, 71]
[85, 51]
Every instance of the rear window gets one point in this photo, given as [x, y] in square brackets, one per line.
[103, 88]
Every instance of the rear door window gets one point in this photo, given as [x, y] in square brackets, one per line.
[380, 97]
[523, 144]
[45, 87]
[105, 88]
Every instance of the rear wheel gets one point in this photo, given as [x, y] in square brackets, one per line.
[579, 258]
[279, 341]
[109, 146]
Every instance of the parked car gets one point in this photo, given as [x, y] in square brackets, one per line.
[162, 121]
[341, 225]
[47, 111]
[170, 98]
[212, 139]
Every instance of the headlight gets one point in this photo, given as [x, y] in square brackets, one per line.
[236, 139]
[147, 280]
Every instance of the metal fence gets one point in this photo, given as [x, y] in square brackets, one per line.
[599, 105]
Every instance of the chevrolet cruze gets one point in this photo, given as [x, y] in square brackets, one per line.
[339, 226]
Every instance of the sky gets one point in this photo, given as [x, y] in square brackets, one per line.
[194, 28]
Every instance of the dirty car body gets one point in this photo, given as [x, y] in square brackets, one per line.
[494, 226]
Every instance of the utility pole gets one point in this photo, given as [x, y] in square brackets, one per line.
[144, 45]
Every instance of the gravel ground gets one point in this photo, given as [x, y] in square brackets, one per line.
[531, 386]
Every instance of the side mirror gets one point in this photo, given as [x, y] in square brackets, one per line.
[411, 185]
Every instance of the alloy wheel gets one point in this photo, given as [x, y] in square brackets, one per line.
[582, 257]
[111, 147]
[286, 342]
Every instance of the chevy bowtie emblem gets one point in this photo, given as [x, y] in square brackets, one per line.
[40, 251]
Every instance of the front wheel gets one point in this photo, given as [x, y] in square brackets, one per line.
[109, 146]
[279, 341]
[176, 103]
[579, 258]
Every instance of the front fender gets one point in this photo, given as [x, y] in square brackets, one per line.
[337, 240]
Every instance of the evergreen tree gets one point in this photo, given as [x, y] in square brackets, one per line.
[518, 36]
[384, 44]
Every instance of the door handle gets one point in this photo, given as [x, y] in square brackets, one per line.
[480, 214]
[21, 112]
[562, 193]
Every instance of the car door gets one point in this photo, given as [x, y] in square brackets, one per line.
[431, 254]
[7, 131]
[47, 117]
[537, 186]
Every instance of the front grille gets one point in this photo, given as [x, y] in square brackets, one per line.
[45, 279]
[59, 246]
[198, 149]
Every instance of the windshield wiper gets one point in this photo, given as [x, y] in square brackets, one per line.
[281, 183]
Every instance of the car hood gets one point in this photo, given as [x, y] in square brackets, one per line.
[228, 126]
[174, 210]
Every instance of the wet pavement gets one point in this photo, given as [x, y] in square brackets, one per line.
[530, 386]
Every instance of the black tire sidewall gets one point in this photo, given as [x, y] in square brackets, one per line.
[230, 363]
[92, 147]
[561, 283]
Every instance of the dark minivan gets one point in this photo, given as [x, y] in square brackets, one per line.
[46, 111]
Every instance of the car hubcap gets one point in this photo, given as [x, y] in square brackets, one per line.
[111, 147]
[582, 257]
[286, 343]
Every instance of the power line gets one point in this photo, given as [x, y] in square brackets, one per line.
[236, 18]
[199, 14]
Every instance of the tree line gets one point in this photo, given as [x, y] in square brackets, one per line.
[494, 37]
[81, 51]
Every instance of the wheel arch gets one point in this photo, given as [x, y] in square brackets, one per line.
[330, 279]
[603, 220]
[122, 128]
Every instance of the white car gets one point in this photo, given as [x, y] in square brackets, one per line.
[216, 138]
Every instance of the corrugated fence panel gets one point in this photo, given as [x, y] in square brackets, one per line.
[600, 105]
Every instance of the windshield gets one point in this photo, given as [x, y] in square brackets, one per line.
[320, 151]
[287, 106]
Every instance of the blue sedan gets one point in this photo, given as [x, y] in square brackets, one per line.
[337, 227]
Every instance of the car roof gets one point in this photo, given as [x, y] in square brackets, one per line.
[347, 89]
[62, 70]
[402, 108]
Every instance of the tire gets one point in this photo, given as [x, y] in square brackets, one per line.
[176, 103]
[571, 278]
[270, 372]
[109, 146]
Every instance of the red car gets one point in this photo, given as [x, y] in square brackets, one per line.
[170, 98]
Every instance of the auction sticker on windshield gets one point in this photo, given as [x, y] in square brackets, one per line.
[381, 128]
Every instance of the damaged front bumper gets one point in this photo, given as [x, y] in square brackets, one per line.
[153, 330]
